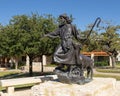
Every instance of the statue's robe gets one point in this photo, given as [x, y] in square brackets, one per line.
[67, 51]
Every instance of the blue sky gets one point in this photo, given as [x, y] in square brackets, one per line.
[84, 11]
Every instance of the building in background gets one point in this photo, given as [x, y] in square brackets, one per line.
[118, 56]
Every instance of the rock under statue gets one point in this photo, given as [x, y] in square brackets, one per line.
[71, 64]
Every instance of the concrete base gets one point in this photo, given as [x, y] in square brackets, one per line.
[3, 69]
[97, 87]
[10, 90]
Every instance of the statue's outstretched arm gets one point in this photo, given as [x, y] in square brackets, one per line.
[52, 34]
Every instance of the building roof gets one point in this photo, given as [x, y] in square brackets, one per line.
[101, 53]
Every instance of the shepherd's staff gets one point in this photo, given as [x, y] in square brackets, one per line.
[97, 22]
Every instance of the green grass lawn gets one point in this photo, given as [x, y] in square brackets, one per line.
[4, 74]
[115, 70]
[109, 70]
[18, 86]
[107, 76]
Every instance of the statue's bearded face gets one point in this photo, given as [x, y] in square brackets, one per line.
[61, 21]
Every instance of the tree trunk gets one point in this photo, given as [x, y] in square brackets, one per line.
[42, 69]
[113, 61]
[16, 64]
[30, 66]
[15, 60]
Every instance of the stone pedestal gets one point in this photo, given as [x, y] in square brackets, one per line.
[97, 87]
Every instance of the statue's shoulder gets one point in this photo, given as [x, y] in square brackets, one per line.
[73, 26]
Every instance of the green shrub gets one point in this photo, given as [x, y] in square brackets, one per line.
[21, 63]
[118, 63]
[102, 63]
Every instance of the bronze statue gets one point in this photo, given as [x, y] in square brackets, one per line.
[68, 53]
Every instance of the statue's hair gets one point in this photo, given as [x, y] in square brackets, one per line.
[68, 20]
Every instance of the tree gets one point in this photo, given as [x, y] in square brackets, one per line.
[32, 29]
[3, 45]
[110, 42]
[91, 43]
[10, 46]
[107, 40]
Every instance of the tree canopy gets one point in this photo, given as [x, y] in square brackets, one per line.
[23, 36]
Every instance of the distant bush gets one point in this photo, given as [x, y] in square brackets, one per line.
[102, 63]
[21, 63]
[118, 62]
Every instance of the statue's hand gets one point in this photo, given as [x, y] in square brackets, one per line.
[43, 36]
[46, 35]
